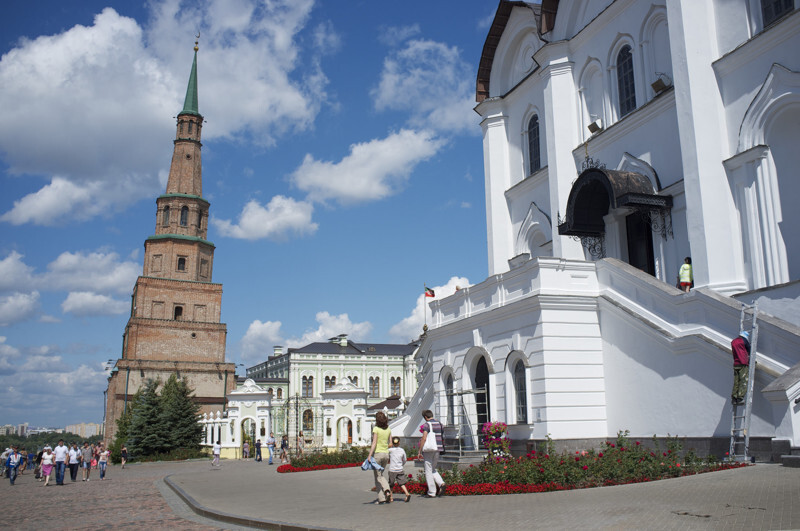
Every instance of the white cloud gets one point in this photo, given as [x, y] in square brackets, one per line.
[96, 271]
[466, 204]
[86, 303]
[326, 40]
[373, 170]
[333, 325]
[259, 339]
[394, 35]
[106, 93]
[430, 81]
[411, 327]
[9, 357]
[282, 217]
[18, 307]
[14, 273]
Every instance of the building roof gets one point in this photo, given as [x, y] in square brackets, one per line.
[190, 104]
[356, 348]
[393, 402]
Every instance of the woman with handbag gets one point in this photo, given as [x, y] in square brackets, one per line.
[381, 435]
[429, 447]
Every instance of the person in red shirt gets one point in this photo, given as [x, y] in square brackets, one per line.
[741, 366]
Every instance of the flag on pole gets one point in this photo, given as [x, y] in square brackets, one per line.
[429, 292]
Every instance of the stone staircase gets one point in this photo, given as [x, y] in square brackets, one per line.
[792, 459]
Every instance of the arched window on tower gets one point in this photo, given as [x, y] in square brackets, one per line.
[181, 264]
[625, 81]
[178, 313]
[280, 393]
[184, 216]
[521, 390]
[199, 220]
[165, 217]
[534, 151]
[451, 408]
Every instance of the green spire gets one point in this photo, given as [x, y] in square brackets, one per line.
[190, 104]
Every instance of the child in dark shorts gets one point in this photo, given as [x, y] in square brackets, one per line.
[397, 458]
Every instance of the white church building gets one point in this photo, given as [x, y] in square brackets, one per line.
[619, 137]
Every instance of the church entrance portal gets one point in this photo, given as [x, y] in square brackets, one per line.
[640, 244]
[482, 400]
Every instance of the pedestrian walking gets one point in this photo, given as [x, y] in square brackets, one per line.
[102, 461]
[685, 275]
[246, 450]
[397, 474]
[271, 446]
[216, 451]
[301, 444]
[12, 464]
[258, 450]
[86, 461]
[23, 462]
[74, 456]
[61, 453]
[48, 460]
[381, 435]
[429, 447]
[285, 449]
[124, 453]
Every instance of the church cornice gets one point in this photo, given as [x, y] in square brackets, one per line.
[188, 140]
[184, 196]
[156, 237]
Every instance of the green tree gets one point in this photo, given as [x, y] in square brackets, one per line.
[148, 432]
[123, 428]
[180, 413]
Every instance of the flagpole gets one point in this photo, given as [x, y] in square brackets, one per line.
[425, 303]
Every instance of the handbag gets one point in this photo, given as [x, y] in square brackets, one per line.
[430, 440]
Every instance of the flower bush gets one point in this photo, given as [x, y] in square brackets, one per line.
[343, 457]
[495, 438]
[291, 468]
[618, 462]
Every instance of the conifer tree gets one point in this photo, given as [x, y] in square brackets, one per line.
[180, 413]
[148, 432]
[123, 427]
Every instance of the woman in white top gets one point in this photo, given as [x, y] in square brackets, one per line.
[103, 462]
[48, 458]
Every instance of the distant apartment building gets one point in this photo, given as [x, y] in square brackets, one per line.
[85, 429]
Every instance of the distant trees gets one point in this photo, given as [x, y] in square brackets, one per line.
[159, 423]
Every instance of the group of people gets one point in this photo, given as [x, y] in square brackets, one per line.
[57, 460]
[387, 455]
[271, 444]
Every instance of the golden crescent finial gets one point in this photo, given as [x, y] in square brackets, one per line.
[197, 39]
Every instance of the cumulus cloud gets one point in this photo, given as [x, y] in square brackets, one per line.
[333, 325]
[282, 217]
[9, 357]
[14, 273]
[373, 170]
[97, 271]
[411, 327]
[259, 339]
[430, 81]
[85, 303]
[120, 82]
[326, 39]
[18, 307]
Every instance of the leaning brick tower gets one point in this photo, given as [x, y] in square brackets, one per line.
[174, 325]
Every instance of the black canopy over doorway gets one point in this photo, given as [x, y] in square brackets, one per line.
[596, 192]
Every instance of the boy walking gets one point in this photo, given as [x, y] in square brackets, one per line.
[397, 458]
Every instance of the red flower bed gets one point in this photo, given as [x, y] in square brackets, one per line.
[289, 468]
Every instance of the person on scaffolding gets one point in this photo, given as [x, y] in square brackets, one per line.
[741, 366]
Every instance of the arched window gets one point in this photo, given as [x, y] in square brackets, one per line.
[330, 381]
[374, 387]
[534, 153]
[181, 264]
[521, 391]
[451, 408]
[395, 385]
[308, 386]
[199, 220]
[354, 379]
[270, 392]
[280, 393]
[178, 313]
[625, 81]
[165, 217]
[184, 216]
[308, 420]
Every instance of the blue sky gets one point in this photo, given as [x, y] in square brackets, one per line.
[341, 156]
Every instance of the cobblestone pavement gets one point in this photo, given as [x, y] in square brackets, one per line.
[758, 497]
[127, 498]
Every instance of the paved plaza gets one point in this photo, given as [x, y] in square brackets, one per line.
[244, 493]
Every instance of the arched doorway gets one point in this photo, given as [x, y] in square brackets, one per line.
[482, 404]
[248, 427]
[349, 432]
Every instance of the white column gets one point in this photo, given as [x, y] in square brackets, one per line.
[498, 180]
[710, 211]
[561, 136]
